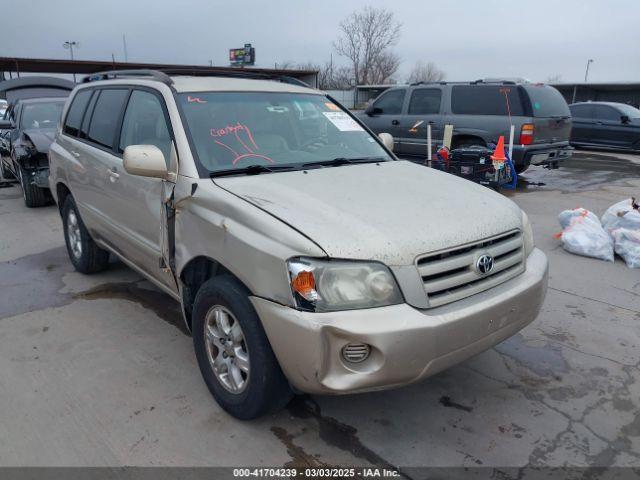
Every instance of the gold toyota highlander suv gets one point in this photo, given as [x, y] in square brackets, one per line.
[305, 255]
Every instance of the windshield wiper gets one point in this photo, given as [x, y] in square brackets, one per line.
[337, 162]
[252, 170]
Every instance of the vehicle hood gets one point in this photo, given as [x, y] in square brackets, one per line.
[42, 138]
[391, 212]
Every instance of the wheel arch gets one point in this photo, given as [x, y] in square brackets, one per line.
[193, 275]
[467, 139]
[62, 192]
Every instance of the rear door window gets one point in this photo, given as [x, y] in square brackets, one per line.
[76, 111]
[425, 101]
[607, 113]
[487, 100]
[581, 111]
[391, 102]
[546, 101]
[106, 115]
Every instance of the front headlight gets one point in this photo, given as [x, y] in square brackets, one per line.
[331, 285]
[527, 233]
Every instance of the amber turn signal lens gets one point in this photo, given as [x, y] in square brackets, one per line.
[304, 283]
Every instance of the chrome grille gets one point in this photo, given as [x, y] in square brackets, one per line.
[451, 275]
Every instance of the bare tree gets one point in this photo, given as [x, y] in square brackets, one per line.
[286, 65]
[383, 68]
[555, 78]
[365, 39]
[426, 72]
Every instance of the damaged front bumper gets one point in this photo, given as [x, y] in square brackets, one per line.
[406, 344]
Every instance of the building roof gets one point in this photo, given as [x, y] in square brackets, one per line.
[610, 86]
[47, 65]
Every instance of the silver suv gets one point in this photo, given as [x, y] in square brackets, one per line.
[305, 256]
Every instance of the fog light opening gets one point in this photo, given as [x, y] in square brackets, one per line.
[356, 352]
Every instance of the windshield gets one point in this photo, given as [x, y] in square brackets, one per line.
[237, 130]
[41, 114]
[629, 111]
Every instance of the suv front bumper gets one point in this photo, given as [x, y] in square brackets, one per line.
[407, 344]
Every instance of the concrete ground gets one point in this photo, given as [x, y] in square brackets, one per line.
[96, 370]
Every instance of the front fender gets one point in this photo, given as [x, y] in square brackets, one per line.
[249, 242]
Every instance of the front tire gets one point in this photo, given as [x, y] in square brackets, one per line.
[233, 352]
[34, 196]
[84, 254]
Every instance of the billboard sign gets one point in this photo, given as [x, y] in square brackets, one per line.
[242, 56]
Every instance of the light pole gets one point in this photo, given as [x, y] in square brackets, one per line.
[69, 46]
[586, 73]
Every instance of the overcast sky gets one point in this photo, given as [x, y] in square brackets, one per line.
[468, 39]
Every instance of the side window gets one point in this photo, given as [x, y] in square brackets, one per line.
[76, 111]
[391, 102]
[104, 120]
[145, 123]
[604, 112]
[425, 101]
[486, 100]
[84, 129]
[581, 111]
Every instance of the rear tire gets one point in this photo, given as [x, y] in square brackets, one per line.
[84, 254]
[521, 168]
[33, 196]
[233, 352]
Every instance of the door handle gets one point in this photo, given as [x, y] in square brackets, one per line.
[75, 154]
[395, 122]
[113, 174]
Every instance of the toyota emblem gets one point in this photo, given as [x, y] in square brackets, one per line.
[484, 264]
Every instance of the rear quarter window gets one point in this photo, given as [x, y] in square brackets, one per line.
[76, 111]
[487, 100]
[546, 101]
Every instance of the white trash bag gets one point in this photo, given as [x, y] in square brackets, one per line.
[627, 245]
[583, 234]
[622, 223]
[622, 215]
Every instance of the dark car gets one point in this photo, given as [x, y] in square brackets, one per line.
[28, 131]
[480, 112]
[605, 125]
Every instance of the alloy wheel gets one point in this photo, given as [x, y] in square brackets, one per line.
[227, 349]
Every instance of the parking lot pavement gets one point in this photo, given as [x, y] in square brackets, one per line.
[98, 371]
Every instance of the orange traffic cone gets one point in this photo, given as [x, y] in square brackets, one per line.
[498, 153]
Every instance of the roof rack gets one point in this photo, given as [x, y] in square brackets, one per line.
[112, 74]
[163, 76]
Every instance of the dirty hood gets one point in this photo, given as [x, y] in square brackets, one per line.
[42, 138]
[391, 212]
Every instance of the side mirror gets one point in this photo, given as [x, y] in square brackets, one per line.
[371, 110]
[387, 140]
[6, 124]
[625, 119]
[144, 161]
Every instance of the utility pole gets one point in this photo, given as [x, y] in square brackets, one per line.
[69, 46]
[124, 45]
[586, 73]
